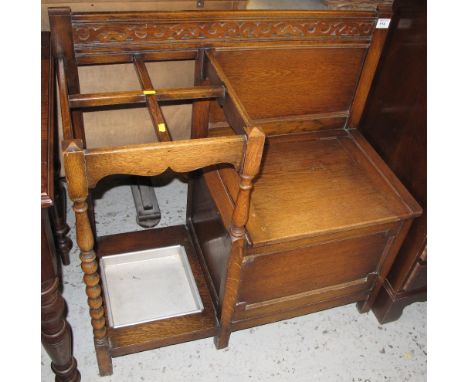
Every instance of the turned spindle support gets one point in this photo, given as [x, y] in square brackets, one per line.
[230, 291]
[75, 169]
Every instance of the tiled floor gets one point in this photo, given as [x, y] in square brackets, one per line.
[334, 345]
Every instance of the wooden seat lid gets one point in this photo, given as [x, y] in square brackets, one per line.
[319, 183]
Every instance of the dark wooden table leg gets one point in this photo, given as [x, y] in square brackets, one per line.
[55, 330]
[61, 228]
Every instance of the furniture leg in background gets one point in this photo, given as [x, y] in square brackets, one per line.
[55, 330]
[60, 227]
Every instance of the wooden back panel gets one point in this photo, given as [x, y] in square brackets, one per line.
[290, 82]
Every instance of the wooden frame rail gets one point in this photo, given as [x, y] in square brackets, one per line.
[67, 125]
[154, 158]
[157, 117]
[211, 72]
[131, 97]
[234, 110]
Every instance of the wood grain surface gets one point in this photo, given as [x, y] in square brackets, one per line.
[312, 184]
[153, 159]
[286, 82]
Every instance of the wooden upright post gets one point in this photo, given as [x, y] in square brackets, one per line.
[55, 330]
[63, 52]
[371, 63]
[62, 45]
[75, 170]
[240, 215]
[200, 109]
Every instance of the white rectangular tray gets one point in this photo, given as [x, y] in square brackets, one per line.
[148, 285]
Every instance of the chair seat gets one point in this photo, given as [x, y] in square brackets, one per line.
[317, 183]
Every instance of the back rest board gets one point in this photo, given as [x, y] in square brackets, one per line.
[291, 82]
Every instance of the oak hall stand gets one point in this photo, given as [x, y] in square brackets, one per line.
[290, 210]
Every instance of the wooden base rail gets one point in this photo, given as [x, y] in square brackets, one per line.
[94, 100]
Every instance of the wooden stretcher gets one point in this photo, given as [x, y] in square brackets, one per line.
[290, 210]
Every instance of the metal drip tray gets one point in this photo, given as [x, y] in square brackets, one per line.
[149, 285]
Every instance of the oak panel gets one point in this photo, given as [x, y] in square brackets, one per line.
[291, 302]
[304, 269]
[283, 314]
[285, 82]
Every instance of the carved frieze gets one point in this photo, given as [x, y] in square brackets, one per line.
[230, 30]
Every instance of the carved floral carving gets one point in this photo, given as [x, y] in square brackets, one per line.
[221, 30]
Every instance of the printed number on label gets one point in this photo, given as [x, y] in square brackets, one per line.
[383, 23]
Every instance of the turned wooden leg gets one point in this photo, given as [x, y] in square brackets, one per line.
[55, 330]
[56, 333]
[230, 289]
[61, 228]
[91, 278]
[59, 209]
[78, 190]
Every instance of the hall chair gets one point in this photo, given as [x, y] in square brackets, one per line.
[289, 209]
